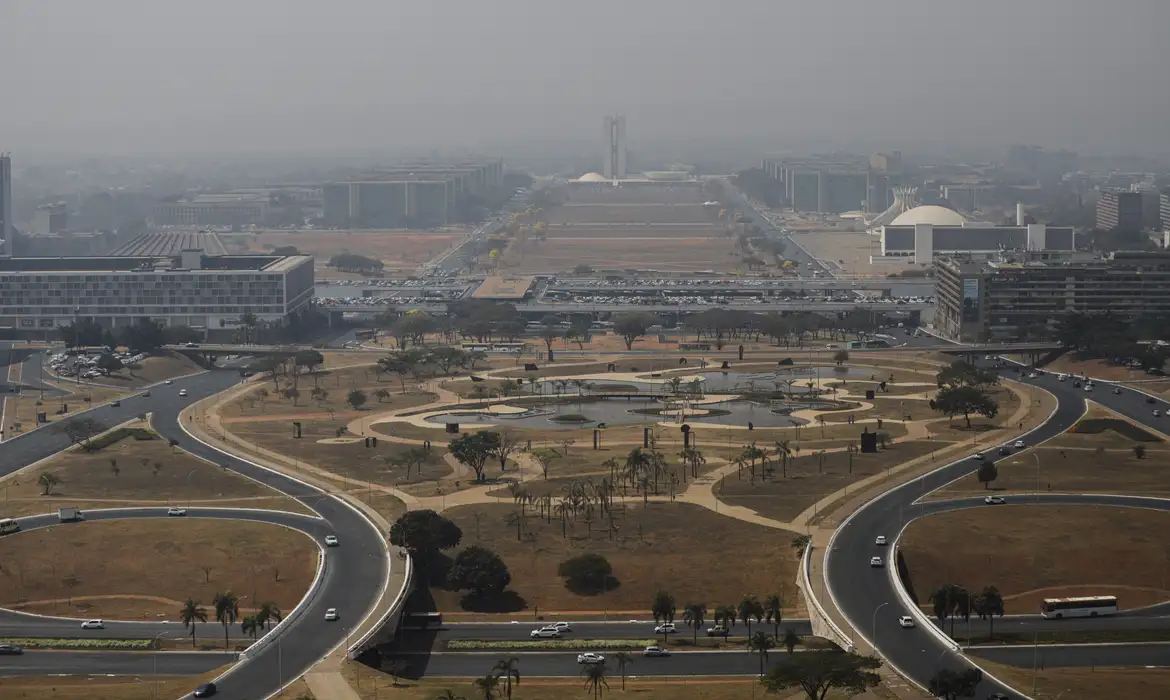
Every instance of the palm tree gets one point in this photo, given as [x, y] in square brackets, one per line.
[761, 641]
[774, 609]
[595, 679]
[227, 611]
[268, 612]
[790, 640]
[623, 659]
[47, 481]
[191, 613]
[694, 614]
[748, 608]
[251, 626]
[784, 450]
[448, 695]
[508, 669]
[486, 687]
[248, 321]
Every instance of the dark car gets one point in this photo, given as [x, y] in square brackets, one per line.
[998, 696]
[10, 650]
[1150, 399]
[204, 691]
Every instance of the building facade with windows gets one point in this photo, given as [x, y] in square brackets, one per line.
[1013, 299]
[191, 289]
[1120, 211]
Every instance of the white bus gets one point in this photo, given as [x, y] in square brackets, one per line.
[8, 525]
[506, 348]
[1090, 606]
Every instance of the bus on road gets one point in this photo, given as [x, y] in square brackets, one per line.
[1089, 606]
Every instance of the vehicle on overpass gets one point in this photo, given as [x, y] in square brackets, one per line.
[1086, 606]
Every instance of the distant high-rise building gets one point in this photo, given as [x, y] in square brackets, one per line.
[51, 218]
[1164, 210]
[5, 204]
[1120, 211]
[613, 165]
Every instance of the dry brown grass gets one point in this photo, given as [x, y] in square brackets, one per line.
[148, 566]
[657, 546]
[23, 410]
[399, 250]
[809, 481]
[84, 687]
[264, 401]
[1037, 552]
[148, 472]
[956, 428]
[659, 253]
[1086, 683]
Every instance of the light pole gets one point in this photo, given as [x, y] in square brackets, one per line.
[154, 657]
[873, 639]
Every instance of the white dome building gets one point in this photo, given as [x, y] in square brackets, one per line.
[592, 177]
[929, 214]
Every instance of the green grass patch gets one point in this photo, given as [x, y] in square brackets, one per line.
[547, 644]
[1069, 637]
[117, 434]
[87, 644]
[1095, 426]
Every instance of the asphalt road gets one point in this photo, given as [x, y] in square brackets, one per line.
[99, 663]
[718, 663]
[1077, 656]
[354, 572]
[591, 630]
[866, 595]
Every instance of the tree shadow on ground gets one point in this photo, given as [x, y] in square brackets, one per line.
[592, 588]
[506, 602]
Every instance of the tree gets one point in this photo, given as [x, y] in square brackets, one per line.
[191, 613]
[250, 626]
[227, 611]
[509, 670]
[663, 609]
[47, 480]
[248, 322]
[961, 374]
[81, 430]
[587, 574]
[623, 659]
[414, 456]
[965, 400]
[356, 398]
[595, 681]
[545, 456]
[549, 332]
[479, 570]
[631, 325]
[774, 611]
[988, 604]
[486, 687]
[748, 608]
[952, 685]
[987, 473]
[448, 356]
[841, 357]
[818, 672]
[1139, 451]
[761, 642]
[951, 600]
[800, 543]
[474, 450]
[110, 363]
[309, 359]
[695, 614]
[790, 640]
[268, 612]
[381, 395]
[424, 533]
[505, 446]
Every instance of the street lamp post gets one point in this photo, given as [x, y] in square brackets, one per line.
[154, 657]
[873, 639]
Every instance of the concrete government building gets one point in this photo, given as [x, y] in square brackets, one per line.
[202, 291]
[413, 196]
[925, 233]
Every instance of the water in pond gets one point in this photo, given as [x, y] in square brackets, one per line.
[729, 381]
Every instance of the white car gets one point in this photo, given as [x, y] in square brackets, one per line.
[1157, 413]
[182, 392]
[331, 615]
[906, 622]
[561, 626]
[1019, 444]
[169, 382]
[655, 651]
[590, 657]
[665, 628]
[876, 561]
[880, 541]
[545, 633]
[93, 625]
[1033, 375]
[1088, 387]
[977, 455]
[176, 511]
[331, 541]
[994, 500]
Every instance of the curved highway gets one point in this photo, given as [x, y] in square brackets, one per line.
[354, 572]
[869, 596]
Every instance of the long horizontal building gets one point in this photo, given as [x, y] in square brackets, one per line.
[412, 196]
[192, 289]
[228, 209]
[925, 233]
[982, 301]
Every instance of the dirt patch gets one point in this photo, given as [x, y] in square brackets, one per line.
[658, 253]
[650, 547]
[398, 250]
[1086, 683]
[104, 687]
[163, 565]
[1037, 552]
[134, 472]
[22, 411]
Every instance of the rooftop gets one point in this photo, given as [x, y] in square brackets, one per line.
[149, 264]
[497, 287]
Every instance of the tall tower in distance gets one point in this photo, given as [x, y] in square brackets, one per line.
[613, 166]
[5, 204]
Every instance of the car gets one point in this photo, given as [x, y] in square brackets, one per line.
[977, 455]
[876, 561]
[146, 394]
[1150, 399]
[331, 541]
[182, 392]
[590, 657]
[717, 631]
[176, 511]
[1032, 375]
[93, 625]
[1019, 444]
[191, 345]
[1062, 377]
[204, 691]
[655, 651]
[11, 649]
[998, 696]
[331, 615]
[1003, 450]
[880, 540]
[1157, 413]
[994, 500]
[169, 382]
[1088, 387]
[1116, 390]
[906, 622]
[665, 628]
[545, 633]
[561, 626]
[116, 403]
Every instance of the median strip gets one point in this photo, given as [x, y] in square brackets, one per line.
[547, 644]
[86, 644]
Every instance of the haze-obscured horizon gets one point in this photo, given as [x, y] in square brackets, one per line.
[303, 76]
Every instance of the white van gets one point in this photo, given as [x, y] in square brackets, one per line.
[1062, 377]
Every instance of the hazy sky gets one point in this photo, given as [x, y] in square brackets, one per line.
[318, 75]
